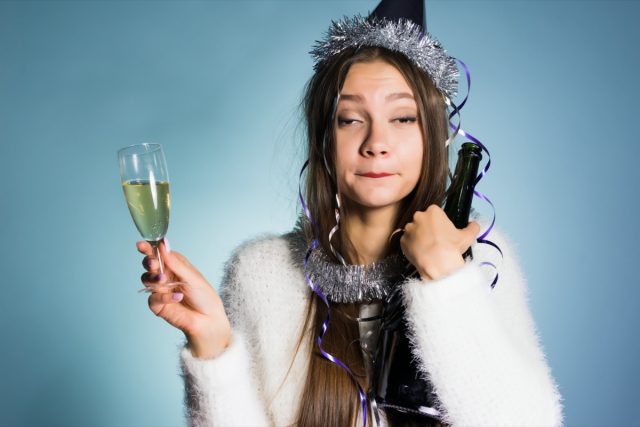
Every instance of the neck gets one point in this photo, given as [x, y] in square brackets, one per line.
[369, 231]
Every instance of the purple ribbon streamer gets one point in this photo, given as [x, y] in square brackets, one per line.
[458, 130]
[319, 293]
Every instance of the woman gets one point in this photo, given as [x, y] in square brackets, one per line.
[251, 356]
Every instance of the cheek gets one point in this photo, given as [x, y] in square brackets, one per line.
[412, 158]
[345, 160]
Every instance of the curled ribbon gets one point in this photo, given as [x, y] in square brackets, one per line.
[457, 130]
[322, 296]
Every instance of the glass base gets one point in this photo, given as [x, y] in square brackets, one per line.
[153, 288]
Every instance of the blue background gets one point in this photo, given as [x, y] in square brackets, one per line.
[218, 84]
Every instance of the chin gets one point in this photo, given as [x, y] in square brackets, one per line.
[372, 197]
[373, 201]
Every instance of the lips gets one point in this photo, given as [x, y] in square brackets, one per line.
[376, 174]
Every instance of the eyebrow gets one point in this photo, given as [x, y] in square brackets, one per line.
[390, 97]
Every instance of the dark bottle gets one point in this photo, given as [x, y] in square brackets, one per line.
[397, 384]
[460, 193]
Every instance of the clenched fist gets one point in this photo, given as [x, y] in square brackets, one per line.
[434, 245]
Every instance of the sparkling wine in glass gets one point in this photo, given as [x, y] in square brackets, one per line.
[145, 182]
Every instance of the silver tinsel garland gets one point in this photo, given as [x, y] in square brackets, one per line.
[401, 36]
[346, 283]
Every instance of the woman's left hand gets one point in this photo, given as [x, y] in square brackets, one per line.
[434, 245]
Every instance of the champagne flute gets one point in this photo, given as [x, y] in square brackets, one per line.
[145, 182]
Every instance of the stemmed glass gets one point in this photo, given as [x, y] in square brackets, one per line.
[145, 182]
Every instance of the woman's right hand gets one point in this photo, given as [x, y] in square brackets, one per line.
[194, 307]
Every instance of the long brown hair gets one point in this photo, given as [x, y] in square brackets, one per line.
[330, 398]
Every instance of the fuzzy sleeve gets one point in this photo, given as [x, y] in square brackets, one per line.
[479, 347]
[220, 391]
[225, 390]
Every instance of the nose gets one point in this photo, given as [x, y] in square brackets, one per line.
[376, 141]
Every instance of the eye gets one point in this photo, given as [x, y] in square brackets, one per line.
[407, 119]
[344, 121]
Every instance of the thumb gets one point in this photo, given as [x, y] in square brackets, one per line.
[472, 230]
[179, 265]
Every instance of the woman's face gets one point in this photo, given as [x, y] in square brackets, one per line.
[377, 131]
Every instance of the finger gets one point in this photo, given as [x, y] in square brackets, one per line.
[179, 265]
[151, 264]
[436, 210]
[157, 301]
[472, 230]
[153, 280]
[144, 247]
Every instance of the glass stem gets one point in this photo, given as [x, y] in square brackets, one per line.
[156, 249]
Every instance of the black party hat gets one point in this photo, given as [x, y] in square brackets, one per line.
[393, 10]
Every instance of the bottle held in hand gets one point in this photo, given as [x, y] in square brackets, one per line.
[460, 193]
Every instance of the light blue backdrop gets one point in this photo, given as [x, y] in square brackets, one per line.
[218, 83]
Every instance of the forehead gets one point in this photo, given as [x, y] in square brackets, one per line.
[374, 77]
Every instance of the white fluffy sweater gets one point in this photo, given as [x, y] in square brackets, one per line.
[479, 347]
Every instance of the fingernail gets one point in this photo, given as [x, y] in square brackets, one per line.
[177, 296]
[167, 245]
